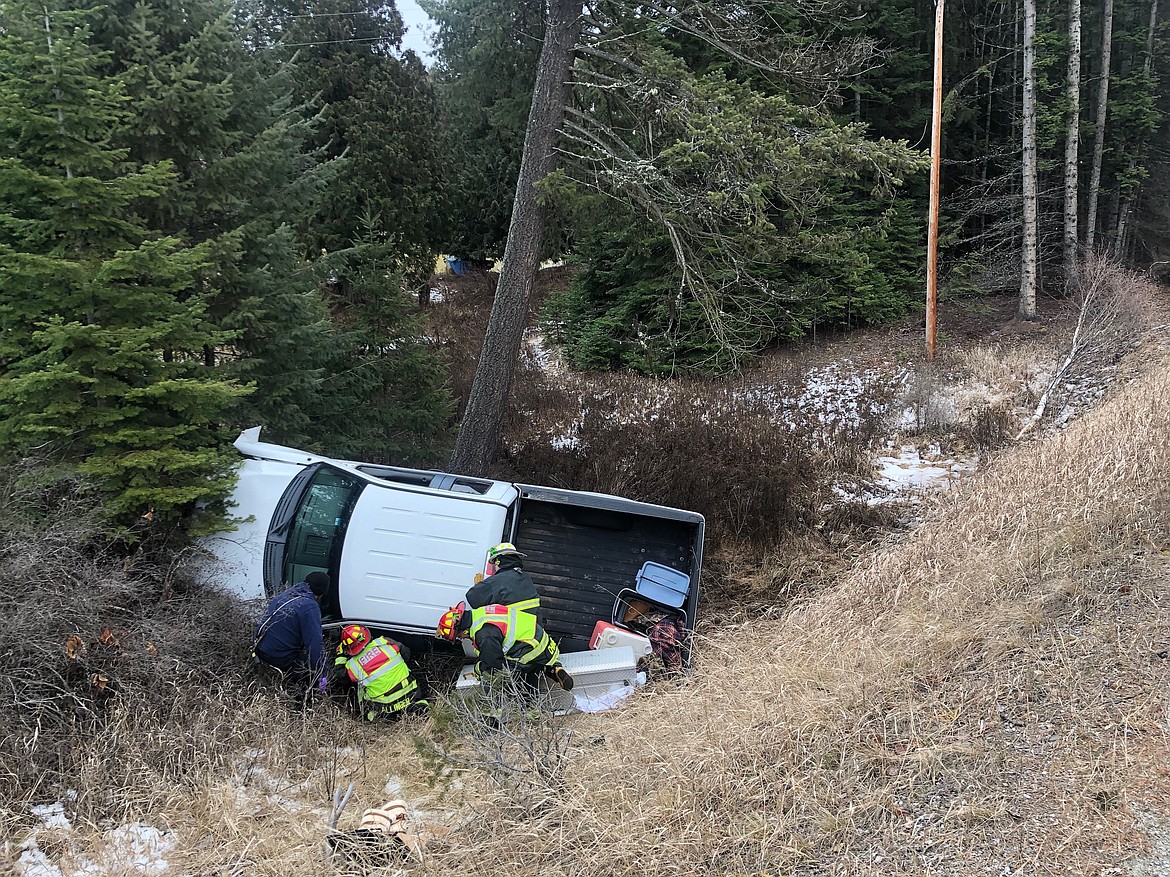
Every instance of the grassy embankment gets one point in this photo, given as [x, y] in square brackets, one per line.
[985, 696]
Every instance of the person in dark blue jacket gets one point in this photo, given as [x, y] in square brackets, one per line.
[288, 636]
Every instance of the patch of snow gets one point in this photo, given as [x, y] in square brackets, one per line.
[34, 863]
[542, 355]
[836, 395]
[910, 470]
[566, 442]
[52, 815]
[136, 846]
[253, 782]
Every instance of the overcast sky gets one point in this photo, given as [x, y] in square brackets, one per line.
[418, 27]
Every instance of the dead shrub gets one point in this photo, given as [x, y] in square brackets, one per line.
[507, 731]
[118, 675]
[926, 401]
[988, 428]
[458, 322]
[724, 458]
[1113, 310]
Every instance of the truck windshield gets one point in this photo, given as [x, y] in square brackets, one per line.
[314, 539]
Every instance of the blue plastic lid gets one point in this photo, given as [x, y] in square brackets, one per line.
[662, 584]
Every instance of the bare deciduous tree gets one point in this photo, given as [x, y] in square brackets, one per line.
[1099, 133]
[1110, 315]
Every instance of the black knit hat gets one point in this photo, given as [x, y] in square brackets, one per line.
[318, 583]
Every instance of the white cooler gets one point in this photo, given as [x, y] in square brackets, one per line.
[610, 636]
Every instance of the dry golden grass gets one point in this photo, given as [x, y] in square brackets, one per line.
[987, 696]
[984, 695]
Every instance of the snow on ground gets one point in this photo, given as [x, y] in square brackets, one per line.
[133, 848]
[52, 816]
[543, 356]
[841, 396]
[910, 468]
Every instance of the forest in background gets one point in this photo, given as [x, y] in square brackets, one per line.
[214, 215]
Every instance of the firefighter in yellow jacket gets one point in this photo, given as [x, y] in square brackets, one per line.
[505, 636]
[377, 668]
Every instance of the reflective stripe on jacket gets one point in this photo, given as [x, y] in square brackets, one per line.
[382, 676]
[525, 641]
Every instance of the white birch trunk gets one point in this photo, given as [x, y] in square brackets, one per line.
[1072, 140]
[1028, 257]
[1099, 134]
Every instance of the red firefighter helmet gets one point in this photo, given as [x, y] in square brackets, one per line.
[448, 628]
[354, 638]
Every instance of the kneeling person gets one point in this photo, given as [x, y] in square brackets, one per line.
[383, 684]
[505, 636]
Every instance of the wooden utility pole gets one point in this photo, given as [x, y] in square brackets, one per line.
[935, 167]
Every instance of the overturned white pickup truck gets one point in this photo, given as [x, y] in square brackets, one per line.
[403, 545]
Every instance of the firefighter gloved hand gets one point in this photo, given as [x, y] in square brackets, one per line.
[323, 684]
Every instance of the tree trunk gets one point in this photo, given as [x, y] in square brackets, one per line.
[479, 430]
[1099, 134]
[935, 169]
[1028, 256]
[1072, 140]
[1125, 210]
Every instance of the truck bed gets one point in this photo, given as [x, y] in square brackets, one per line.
[584, 549]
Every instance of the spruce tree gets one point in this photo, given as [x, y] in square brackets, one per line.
[487, 52]
[383, 398]
[373, 227]
[102, 323]
[208, 93]
[375, 113]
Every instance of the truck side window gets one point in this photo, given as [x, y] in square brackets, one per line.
[314, 540]
[470, 485]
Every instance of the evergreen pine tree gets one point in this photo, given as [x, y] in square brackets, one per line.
[208, 94]
[376, 114]
[374, 226]
[383, 397]
[103, 324]
[486, 54]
